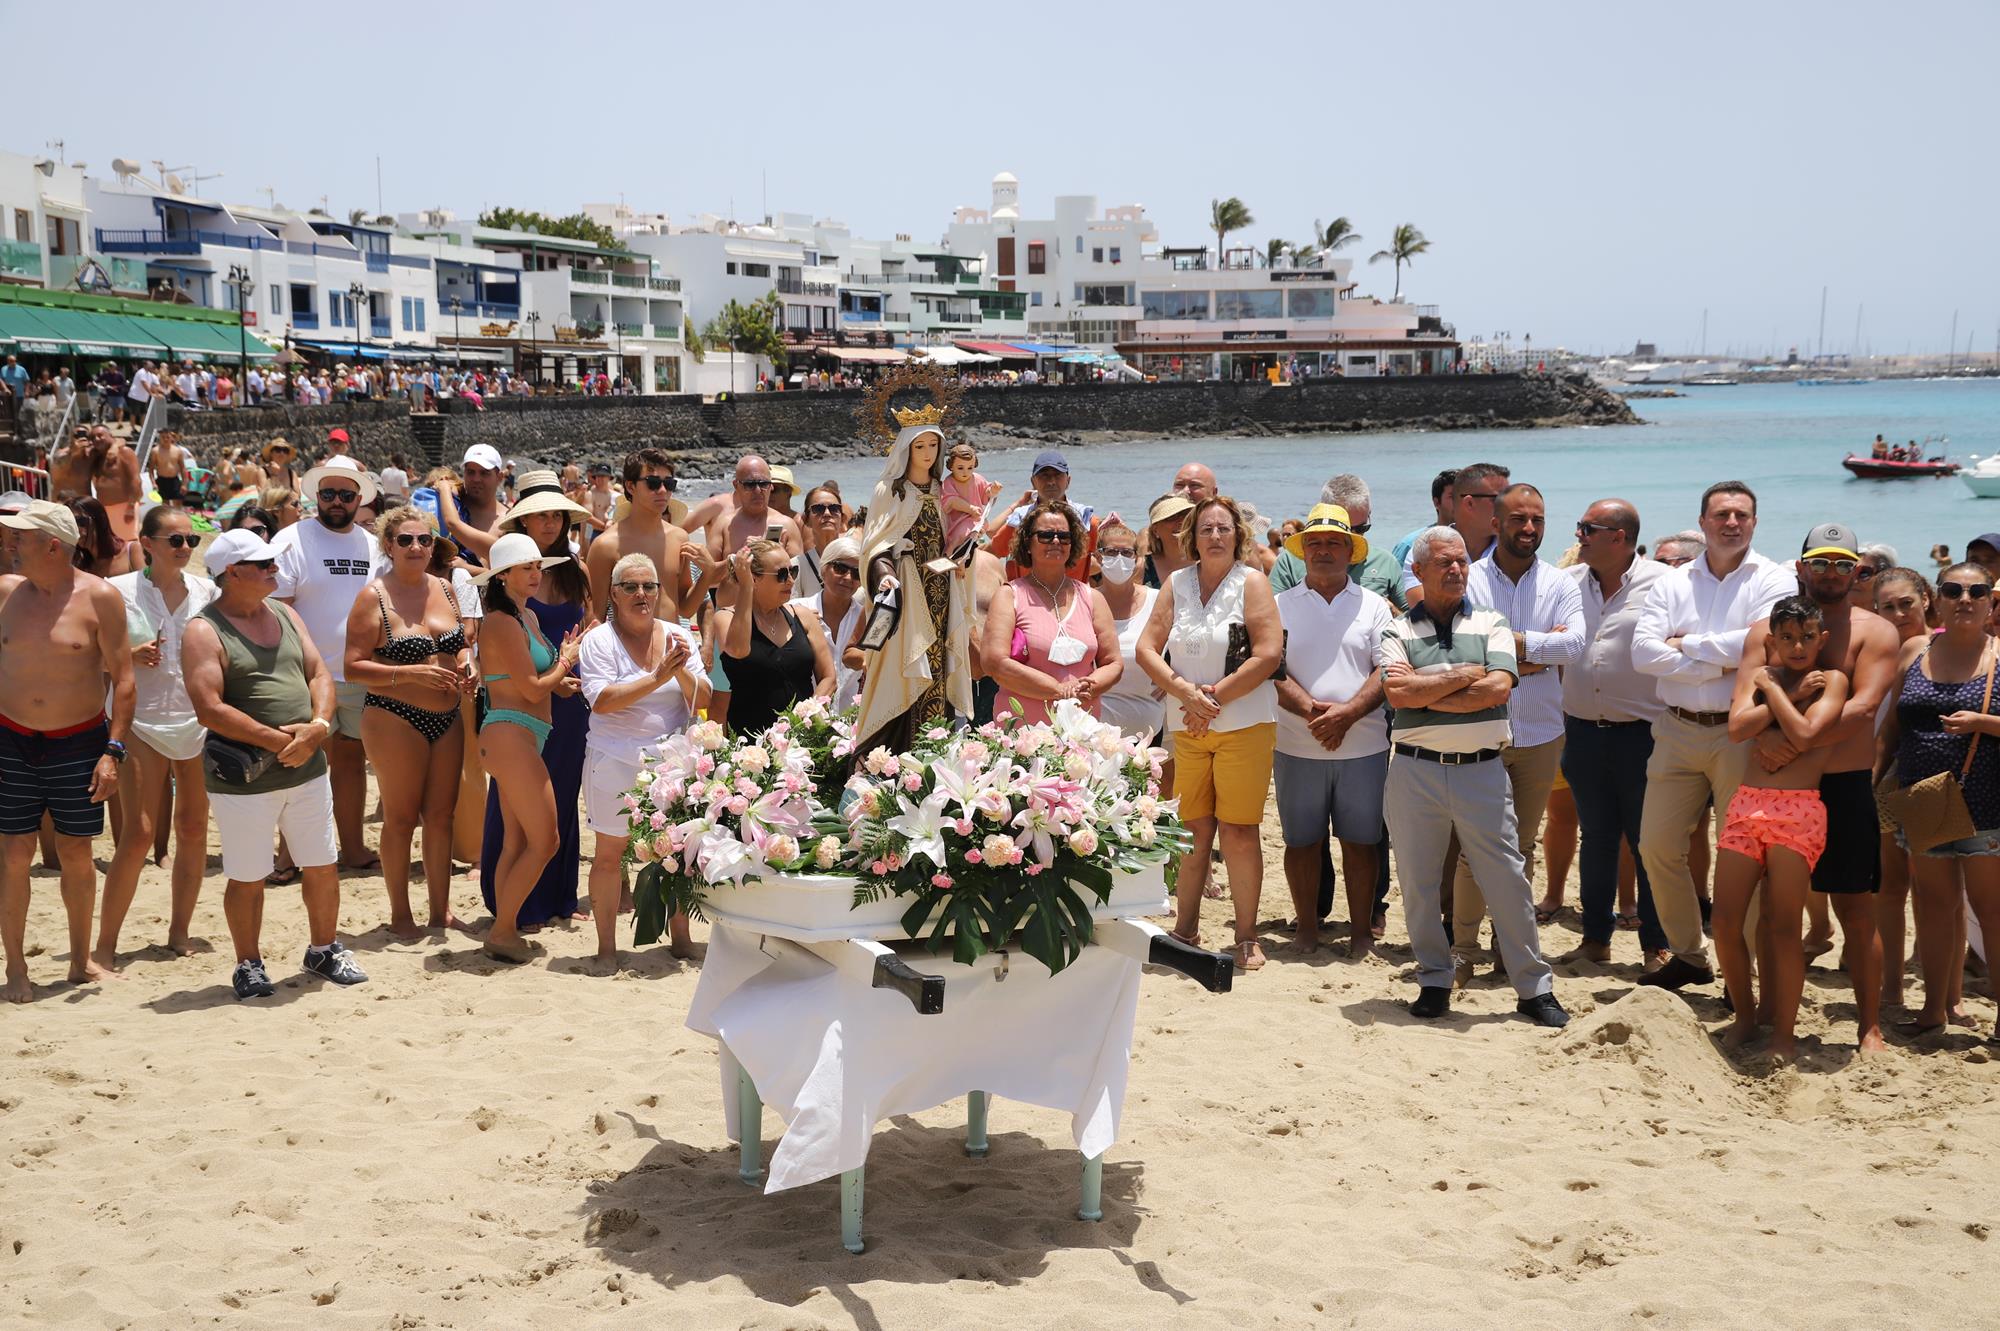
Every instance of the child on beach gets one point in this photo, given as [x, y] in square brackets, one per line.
[1775, 828]
[965, 494]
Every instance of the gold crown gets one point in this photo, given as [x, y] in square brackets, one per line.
[908, 416]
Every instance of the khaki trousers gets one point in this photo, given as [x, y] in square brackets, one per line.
[1531, 772]
[1690, 763]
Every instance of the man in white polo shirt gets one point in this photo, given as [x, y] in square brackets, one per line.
[1690, 638]
[1333, 740]
[324, 562]
[1545, 611]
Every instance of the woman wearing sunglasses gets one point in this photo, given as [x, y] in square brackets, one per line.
[1049, 636]
[643, 679]
[406, 646]
[1945, 705]
[823, 517]
[777, 653]
[166, 737]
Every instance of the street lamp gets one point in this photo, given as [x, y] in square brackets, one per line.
[357, 297]
[457, 338]
[534, 318]
[240, 279]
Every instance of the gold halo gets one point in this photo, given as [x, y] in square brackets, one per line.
[880, 419]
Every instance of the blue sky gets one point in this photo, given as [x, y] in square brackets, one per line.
[1589, 175]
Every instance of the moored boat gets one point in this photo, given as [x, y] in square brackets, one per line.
[1983, 476]
[1883, 469]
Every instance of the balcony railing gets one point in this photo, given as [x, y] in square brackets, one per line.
[480, 309]
[190, 242]
[628, 280]
[377, 263]
[789, 286]
[585, 277]
[305, 319]
[632, 330]
[663, 283]
[861, 316]
[21, 260]
[125, 274]
[378, 327]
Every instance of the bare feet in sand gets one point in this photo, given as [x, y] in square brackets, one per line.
[91, 970]
[405, 929]
[1871, 1043]
[604, 963]
[184, 946]
[450, 921]
[1740, 1033]
[1818, 947]
[511, 951]
[17, 989]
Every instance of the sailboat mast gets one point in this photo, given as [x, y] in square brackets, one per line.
[1822, 322]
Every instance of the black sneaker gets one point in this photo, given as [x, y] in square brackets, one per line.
[336, 963]
[1543, 1010]
[1432, 1002]
[250, 981]
[1677, 973]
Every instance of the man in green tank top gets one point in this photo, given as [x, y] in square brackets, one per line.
[257, 682]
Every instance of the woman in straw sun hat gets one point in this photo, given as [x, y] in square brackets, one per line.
[561, 607]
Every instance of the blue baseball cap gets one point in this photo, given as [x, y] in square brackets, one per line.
[1049, 460]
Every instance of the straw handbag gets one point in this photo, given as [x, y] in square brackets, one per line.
[1932, 811]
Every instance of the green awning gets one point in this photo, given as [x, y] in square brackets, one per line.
[91, 334]
[20, 325]
[205, 341]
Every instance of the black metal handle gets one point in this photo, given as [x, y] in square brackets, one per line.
[1213, 971]
[925, 992]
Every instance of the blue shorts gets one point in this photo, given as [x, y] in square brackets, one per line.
[1342, 793]
[40, 774]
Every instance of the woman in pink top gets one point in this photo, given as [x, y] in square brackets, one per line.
[1048, 636]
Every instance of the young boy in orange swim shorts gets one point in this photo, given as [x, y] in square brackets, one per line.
[1775, 828]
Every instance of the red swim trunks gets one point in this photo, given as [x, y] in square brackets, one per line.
[1760, 818]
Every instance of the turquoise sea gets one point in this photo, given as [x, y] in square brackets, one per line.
[1786, 441]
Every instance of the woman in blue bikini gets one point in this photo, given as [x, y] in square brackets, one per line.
[522, 673]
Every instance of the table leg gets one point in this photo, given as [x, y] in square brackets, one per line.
[750, 1124]
[850, 1209]
[975, 1122]
[1093, 1190]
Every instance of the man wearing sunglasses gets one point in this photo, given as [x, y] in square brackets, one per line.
[1690, 637]
[750, 518]
[1475, 501]
[644, 530]
[1378, 573]
[324, 562]
[1862, 646]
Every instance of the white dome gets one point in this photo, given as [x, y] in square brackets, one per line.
[1006, 178]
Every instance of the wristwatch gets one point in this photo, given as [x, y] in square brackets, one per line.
[114, 750]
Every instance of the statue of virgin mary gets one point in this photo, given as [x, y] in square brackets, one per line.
[923, 673]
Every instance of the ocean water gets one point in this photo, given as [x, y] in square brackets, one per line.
[1784, 440]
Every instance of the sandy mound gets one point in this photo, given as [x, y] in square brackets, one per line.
[1664, 1043]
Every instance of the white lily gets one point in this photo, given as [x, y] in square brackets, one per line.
[924, 825]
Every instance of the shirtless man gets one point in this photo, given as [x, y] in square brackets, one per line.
[475, 508]
[1862, 646]
[649, 477]
[105, 465]
[62, 633]
[170, 462]
[751, 517]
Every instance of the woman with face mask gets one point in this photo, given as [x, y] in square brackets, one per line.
[1133, 704]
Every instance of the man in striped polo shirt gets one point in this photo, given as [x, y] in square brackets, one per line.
[1447, 669]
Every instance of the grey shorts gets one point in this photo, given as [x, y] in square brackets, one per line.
[348, 701]
[1342, 793]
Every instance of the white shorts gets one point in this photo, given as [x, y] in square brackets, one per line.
[607, 779]
[250, 824]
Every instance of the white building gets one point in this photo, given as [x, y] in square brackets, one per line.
[1101, 279]
[313, 281]
[560, 308]
[45, 238]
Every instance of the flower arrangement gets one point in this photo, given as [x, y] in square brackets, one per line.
[1003, 829]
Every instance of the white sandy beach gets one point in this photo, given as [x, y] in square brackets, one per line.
[450, 1145]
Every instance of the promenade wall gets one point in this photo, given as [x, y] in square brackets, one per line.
[805, 426]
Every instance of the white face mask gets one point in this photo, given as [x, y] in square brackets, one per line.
[1117, 569]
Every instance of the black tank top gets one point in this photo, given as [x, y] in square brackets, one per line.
[770, 679]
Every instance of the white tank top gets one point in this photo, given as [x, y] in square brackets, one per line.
[1198, 647]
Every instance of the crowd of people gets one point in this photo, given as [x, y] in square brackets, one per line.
[1453, 699]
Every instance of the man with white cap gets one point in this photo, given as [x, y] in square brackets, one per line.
[62, 634]
[14, 501]
[472, 518]
[325, 562]
[265, 694]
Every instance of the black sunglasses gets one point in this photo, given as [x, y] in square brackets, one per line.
[1952, 591]
[422, 539]
[1051, 537]
[338, 496]
[667, 483]
[261, 565]
[822, 510]
[262, 531]
[1586, 530]
[845, 569]
[783, 573]
[179, 542]
[756, 485]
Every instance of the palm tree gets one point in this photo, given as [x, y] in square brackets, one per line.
[1225, 216]
[1406, 245]
[1335, 235]
[1274, 250]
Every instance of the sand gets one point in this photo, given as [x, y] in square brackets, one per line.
[454, 1145]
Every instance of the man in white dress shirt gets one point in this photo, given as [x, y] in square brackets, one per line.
[1690, 638]
[1475, 500]
[1609, 708]
[1545, 611]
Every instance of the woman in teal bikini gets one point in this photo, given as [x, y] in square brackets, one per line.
[522, 672]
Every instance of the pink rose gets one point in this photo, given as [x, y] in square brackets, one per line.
[973, 856]
[913, 781]
[704, 765]
[878, 868]
[738, 805]
[1034, 869]
[658, 820]
[942, 880]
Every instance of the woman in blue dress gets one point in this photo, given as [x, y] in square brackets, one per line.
[563, 603]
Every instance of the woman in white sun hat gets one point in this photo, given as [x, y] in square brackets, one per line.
[522, 671]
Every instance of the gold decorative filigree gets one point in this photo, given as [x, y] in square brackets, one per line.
[880, 417]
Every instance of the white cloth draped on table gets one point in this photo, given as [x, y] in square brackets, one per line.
[834, 1057]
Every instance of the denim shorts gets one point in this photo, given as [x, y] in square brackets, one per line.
[1986, 843]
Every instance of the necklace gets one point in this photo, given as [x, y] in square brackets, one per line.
[1055, 596]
